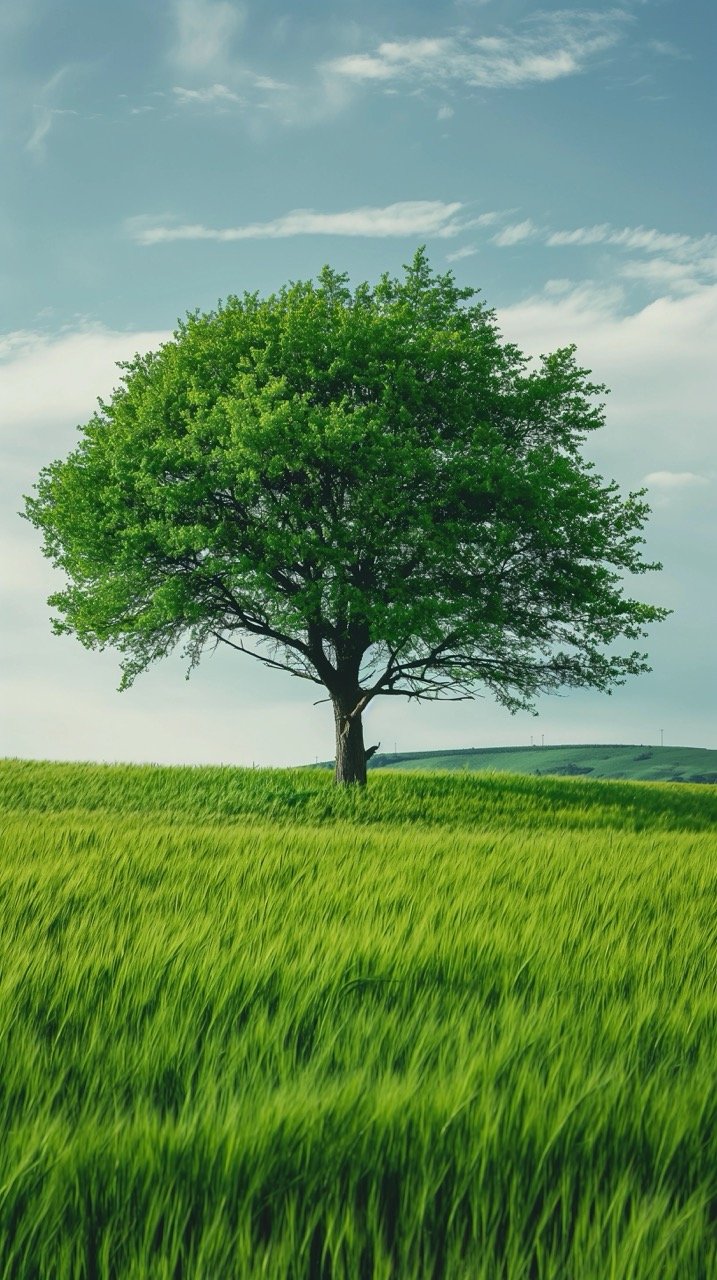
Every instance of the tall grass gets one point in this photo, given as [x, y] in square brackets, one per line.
[307, 795]
[451, 1027]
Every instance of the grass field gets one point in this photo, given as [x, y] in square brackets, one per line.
[455, 1026]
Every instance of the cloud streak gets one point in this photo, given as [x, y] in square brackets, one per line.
[46, 113]
[211, 96]
[404, 218]
[646, 238]
[671, 480]
[516, 233]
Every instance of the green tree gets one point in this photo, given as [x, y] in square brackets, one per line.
[368, 489]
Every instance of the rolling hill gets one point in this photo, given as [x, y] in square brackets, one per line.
[607, 760]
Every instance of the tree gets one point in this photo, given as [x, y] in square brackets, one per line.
[368, 489]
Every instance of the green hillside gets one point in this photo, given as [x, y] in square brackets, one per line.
[449, 1026]
[646, 764]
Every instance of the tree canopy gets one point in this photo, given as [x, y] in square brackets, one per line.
[367, 488]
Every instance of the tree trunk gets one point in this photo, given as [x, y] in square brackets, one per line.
[350, 752]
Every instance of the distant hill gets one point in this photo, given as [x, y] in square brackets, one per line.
[608, 760]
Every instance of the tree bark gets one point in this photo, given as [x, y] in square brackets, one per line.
[350, 752]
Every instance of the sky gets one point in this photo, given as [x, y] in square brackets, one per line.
[157, 158]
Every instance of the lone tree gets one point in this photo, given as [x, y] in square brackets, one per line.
[368, 489]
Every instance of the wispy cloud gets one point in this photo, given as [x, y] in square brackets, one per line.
[212, 77]
[677, 277]
[44, 120]
[204, 32]
[404, 218]
[548, 47]
[221, 96]
[666, 49]
[580, 235]
[468, 251]
[516, 233]
[45, 112]
[672, 480]
[213, 95]
[542, 48]
[674, 259]
[646, 238]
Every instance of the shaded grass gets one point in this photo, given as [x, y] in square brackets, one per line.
[459, 1027]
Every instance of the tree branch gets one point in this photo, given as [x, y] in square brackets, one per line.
[269, 662]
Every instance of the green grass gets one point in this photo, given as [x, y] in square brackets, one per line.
[455, 1026]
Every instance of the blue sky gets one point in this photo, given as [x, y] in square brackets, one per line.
[157, 158]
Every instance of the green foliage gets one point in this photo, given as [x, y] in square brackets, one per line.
[371, 485]
[452, 1027]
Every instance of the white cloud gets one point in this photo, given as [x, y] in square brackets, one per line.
[546, 47]
[266, 82]
[549, 47]
[405, 218]
[52, 379]
[467, 251]
[657, 360]
[215, 77]
[648, 239]
[580, 235]
[212, 95]
[394, 58]
[674, 479]
[221, 96]
[678, 277]
[445, 113]
[516, 233]
[483, 220]
[48, 383]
